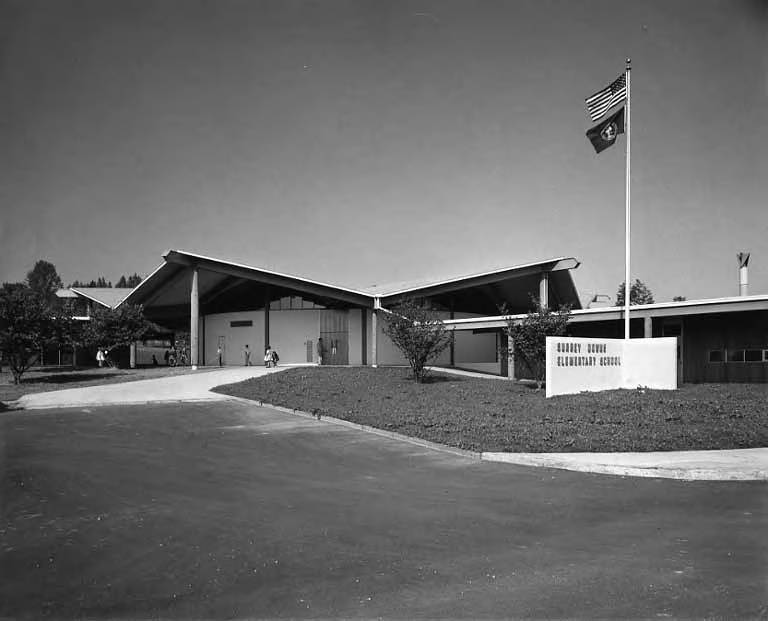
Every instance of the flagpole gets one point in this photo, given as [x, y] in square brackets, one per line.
[627, 285]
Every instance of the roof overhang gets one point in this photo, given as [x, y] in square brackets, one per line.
[512, 285]
[225, 286]
[169, 284]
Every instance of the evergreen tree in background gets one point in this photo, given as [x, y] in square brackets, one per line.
[44, 280]
[638, 294]
[129, 282]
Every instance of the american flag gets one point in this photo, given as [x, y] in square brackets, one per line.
[603, 100]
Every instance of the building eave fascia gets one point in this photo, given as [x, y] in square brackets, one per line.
[663, 309]
[556, 265]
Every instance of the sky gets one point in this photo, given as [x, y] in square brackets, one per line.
[369, 141]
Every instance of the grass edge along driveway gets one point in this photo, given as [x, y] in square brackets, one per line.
[480, 414]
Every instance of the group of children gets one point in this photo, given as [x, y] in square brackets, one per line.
[270, 357]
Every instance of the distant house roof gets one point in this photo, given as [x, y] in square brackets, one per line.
[106, 296]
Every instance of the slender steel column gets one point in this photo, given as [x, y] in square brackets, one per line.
[194, 320]
[374, 334]
[544, 290]
[266, 317]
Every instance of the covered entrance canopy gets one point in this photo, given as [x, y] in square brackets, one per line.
[223, 286]
[189, 286]
[484, 293]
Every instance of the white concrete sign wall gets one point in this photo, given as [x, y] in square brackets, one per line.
[584, 364]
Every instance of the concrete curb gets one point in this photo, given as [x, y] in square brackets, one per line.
[367, 428]
[578, 462]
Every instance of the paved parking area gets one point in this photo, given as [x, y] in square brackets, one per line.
[743, 464]
[220, 509]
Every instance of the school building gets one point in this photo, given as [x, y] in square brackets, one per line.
[226, 305]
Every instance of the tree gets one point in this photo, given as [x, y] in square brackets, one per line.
[115, 327]
[130, 281]
[418, 333]
[638, 294]
[44, 280]
[66, 330]
[529, 336]
[26, 325]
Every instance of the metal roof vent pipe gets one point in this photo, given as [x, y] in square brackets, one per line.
[743, 258]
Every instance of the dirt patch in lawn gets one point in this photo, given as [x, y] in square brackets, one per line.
[494, 415]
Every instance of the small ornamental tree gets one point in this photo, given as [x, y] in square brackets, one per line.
[529, 336]
[26, 325]
[418, 333]
[638, 294]
[66, 330]
[115, 327]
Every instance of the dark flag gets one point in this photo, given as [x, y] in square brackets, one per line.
[604, 134]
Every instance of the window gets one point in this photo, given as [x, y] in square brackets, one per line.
[245, 323]
[716, 355]
[293, 303]
[735, 355]
[742, 355]
[753, 355]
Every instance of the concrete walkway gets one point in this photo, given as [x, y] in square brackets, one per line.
[733, 465]
[190, 387]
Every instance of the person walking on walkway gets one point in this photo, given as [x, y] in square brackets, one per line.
[267, 356]
[247, 355]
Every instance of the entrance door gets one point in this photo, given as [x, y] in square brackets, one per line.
[334, 330]
[674, 327]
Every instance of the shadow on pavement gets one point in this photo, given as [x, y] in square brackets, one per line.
[66, 378]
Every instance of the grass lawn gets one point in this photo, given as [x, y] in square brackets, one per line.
[495, 415]
[47, 379]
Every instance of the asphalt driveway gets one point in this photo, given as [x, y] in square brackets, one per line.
[228, 510]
